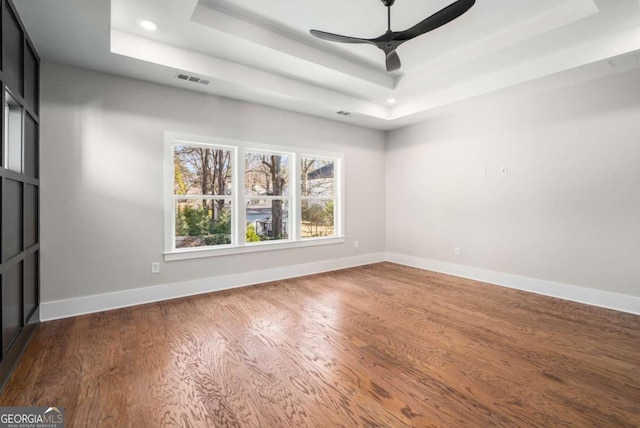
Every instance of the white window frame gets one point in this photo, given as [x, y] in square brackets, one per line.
[291, 198]
[238, 198]
[337, 218]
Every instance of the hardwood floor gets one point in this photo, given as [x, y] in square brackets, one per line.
[379, 345]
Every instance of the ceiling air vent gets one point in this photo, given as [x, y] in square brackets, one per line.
[193, 79]
[343, 113]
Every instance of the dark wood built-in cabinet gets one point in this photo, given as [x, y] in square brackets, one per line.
[19, 189]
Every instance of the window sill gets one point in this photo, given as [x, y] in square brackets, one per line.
[198, 253]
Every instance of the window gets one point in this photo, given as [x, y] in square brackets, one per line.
[202, 195]
[227, 197]
[318, 203]
[12, 134]
[267, 197]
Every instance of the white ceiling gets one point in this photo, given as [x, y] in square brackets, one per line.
[261, 51]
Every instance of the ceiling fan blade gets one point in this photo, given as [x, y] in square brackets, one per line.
[338, 38]
[436, 20]
[393, 61]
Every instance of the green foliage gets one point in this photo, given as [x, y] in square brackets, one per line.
[217, 239]
[318, 218]
[182, 227]
[314, 214]
[196, 219]
[251, 235]
[223, 223]
[328, 212]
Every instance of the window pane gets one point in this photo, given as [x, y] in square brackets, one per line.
[201, 171]
[317, 218]
[318, 177]
[266, 174]
[267, 220]
[12, 134]
[202, 223]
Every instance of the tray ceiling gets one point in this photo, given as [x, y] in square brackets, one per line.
[262, 51]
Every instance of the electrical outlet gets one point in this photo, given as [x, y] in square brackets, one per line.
[504, 170]
[356, 244]
[482, 172]
[155, 267]
[456, 251]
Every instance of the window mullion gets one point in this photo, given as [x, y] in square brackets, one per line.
[296, 192]
[169, 204]
[203, 197]
[318, 198]
[339, 198]
[240, 199]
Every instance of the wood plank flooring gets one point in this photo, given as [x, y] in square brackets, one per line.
[375, 346]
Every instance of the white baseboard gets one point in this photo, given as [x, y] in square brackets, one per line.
[120, 299]
[101, 302]
[589, 296]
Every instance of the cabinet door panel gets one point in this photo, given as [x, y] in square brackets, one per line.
[31, 273]
[30, 147]
[11, 305]
[13, 51]
[30, 215]
[31, 79]
[11, 219]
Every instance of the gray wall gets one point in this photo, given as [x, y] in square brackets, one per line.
[569, 209]
[102, 154]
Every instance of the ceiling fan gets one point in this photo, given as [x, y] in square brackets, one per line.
[389, 41]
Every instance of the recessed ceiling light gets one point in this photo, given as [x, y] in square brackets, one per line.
[148, 25]
[391, 101]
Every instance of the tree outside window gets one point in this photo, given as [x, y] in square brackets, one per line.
[267, 195]
[233, 197]
[317, 180]
[202, 195]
